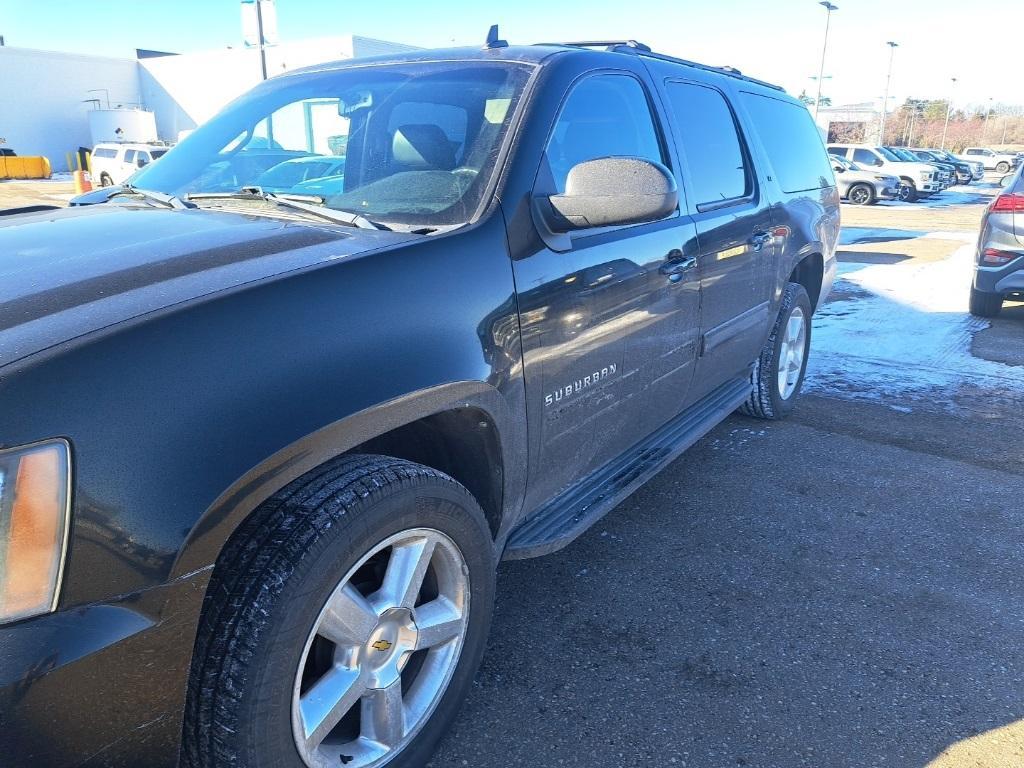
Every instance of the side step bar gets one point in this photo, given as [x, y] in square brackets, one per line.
[564, 518]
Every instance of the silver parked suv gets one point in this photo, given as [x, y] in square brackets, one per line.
[999, 268]
[859, 186]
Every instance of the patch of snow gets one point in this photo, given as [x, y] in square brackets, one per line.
[957, 195]
[903, 331]
[861, 235]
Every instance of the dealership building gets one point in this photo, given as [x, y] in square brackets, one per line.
[48, 95]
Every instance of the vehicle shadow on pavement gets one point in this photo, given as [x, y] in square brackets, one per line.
[1003, 340]
[782, 595]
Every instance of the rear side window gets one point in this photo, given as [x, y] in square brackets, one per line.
[865, 157]
[129, 156]
[107, 152]
[604, 116]
[792, 141]
[711, 143]
[837, 151]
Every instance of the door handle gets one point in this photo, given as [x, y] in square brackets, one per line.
[760, 239]
[675, 265]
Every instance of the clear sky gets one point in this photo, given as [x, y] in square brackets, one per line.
[778, 40]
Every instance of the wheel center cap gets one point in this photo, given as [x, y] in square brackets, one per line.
[389, 647]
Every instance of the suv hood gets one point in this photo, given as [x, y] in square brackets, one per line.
[65, 273]
[909, 168]
[871, 177]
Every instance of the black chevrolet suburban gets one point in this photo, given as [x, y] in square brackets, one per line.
[261, 450]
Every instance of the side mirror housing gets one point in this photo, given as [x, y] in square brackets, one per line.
[611, 191]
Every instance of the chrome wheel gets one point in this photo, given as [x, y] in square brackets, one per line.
[382, 652]
[791, 353]
[860, 195]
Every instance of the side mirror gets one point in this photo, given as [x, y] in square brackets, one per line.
[141, 162]
[838, 169]
[611, 191]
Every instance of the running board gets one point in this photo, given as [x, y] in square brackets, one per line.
[560, 521]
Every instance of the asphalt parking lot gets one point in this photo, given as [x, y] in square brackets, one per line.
[839, 589]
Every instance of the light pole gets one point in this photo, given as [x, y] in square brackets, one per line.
[949, 108]
[988, 114]
[829, 7]
[885, 99]
[262, 42]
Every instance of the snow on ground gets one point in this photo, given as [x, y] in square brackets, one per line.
[901, 333]
[960, 194]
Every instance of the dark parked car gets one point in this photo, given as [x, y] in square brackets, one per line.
[964, 174]
[261, 452]
[999, 262]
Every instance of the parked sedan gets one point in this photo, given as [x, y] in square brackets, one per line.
[999, 264]
[858, 186]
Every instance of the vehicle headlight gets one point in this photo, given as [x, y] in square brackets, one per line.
[926, 175]
[34, 510]
[882, 178]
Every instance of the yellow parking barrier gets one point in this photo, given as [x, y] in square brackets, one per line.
[24, 167]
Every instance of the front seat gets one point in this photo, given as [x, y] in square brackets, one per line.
[422, 147]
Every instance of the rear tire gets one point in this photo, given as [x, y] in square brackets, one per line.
[984, 304]
[774, 392]
[861, 194]
[105, 180]
[908, 192]
[1003, 167]
[314, 562]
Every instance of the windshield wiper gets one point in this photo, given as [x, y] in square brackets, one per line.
[312, 204]
[168, 201]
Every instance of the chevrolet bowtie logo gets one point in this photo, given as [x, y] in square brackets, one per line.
[381, 645]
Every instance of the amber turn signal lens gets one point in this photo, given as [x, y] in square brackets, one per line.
[33, 524]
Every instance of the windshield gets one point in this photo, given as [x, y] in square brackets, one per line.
[903, 154]
[890, 156]
[412, 144]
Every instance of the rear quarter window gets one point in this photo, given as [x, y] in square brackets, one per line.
[792, 141]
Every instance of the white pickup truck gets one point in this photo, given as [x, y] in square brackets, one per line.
[1000, 162]
[916, 179]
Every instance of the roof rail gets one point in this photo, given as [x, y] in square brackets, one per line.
[726, 70]
[607, 44]
[639, 49]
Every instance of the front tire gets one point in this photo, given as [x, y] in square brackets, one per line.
[344, 622]
[778, 373]
[908, 192]
[984, 304]
[861, 194]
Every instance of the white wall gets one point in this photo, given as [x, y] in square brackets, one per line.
[42, 109]
[191, 88]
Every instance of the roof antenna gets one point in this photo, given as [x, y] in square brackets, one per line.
[492, 39]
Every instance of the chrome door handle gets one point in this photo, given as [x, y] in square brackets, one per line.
[675, 265]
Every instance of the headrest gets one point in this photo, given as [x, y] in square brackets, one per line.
[423, 146]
